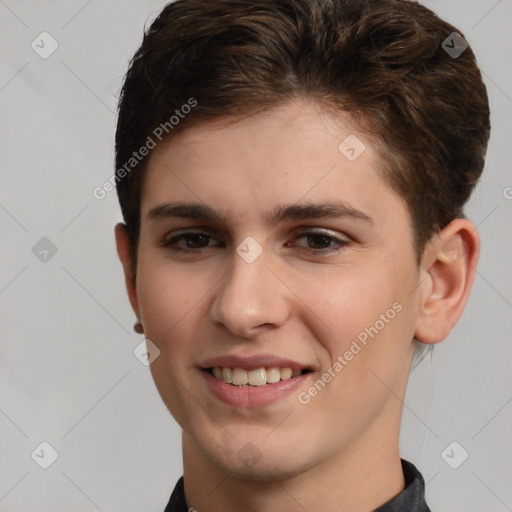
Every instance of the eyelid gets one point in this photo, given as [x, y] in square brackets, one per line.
[167, 240]
[191, 230]
[340, 242]
[309, 230]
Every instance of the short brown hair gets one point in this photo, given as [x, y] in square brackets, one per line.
[381, 60]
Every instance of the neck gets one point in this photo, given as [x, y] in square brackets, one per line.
[361, 479]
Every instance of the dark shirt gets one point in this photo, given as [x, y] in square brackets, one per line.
[411, 499]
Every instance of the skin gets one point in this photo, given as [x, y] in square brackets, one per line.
[296, 300]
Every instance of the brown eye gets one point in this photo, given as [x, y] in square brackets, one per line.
[319, 241]
[190, 241]
[196, 241]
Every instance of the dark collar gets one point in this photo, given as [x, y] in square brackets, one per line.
[411, 499]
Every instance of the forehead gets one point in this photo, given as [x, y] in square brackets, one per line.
[297, 152]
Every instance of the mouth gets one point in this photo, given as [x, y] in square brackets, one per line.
[252, 378]
[255, 380]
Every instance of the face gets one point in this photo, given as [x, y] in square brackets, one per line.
[265, 245]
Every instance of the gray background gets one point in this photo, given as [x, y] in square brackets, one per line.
[68, 375]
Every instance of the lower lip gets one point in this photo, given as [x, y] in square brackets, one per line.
[253, 397]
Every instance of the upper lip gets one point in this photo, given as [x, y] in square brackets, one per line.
[252, 362]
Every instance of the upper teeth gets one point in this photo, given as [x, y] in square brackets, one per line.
[258, 377]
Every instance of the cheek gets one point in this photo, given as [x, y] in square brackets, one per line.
[348, 301]
[172, 303]
[369, 317]
[167, 294]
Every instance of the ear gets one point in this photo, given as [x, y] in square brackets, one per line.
[447, 272]
[123, 251]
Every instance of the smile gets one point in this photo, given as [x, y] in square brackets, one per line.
[241, 393]
[253, 378]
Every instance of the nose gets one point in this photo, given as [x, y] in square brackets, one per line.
[250, 299]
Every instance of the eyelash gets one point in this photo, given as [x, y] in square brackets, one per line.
[339, 243]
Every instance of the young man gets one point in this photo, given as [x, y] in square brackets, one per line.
[292, 175]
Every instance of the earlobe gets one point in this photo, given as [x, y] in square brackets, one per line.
[123, 251]
[447, 273]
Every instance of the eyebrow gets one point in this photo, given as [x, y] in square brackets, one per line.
[298, 211]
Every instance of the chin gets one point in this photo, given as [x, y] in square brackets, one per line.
[257, 461]
[263, 471]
